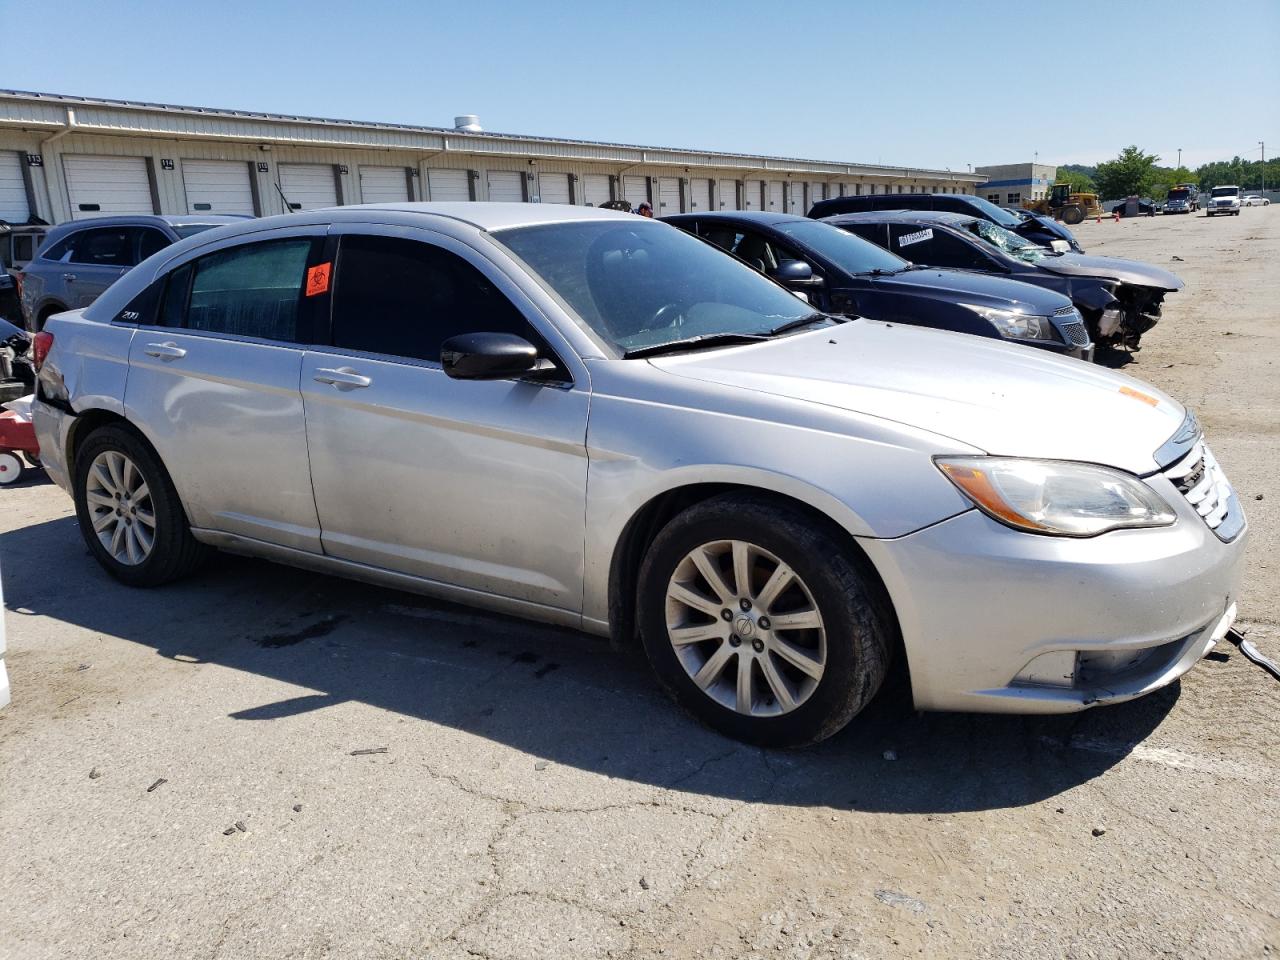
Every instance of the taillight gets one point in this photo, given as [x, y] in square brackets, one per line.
[17, 282]
[41, 344]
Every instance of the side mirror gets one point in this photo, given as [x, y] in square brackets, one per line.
[796, 272]
[487, 356]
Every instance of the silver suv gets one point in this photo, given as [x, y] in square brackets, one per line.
[593, 419]
[80, 259]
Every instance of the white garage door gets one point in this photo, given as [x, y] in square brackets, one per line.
[775, 197]
[308, 186]
[751, 194]
[597, 188]
[217, 186]
[795, 197]
[13, 189]
[635, 190]
[506, 186]
[727, 194]
[699, 194]
[384, 184]
[554, 188]
[449, 184]
[668, 197]
[101, 186]
[817, 191]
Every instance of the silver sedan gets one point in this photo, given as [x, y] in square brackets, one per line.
[596, 420]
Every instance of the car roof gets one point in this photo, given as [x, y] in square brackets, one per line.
[944, 217]
[154, 219]
[485, 215]
[754, 216]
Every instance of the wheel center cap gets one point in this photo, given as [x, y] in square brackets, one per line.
[745, 627]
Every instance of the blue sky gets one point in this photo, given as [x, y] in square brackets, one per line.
[940, 84]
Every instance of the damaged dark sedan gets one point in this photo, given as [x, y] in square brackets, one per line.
[1120, 300]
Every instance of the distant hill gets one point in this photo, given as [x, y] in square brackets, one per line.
[1090, 172]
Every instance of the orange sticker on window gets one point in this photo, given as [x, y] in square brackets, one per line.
[318, 279]
[1139, 395]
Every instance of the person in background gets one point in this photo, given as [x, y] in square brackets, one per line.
[645, 209]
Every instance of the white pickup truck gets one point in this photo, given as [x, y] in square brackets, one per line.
[1225, 199]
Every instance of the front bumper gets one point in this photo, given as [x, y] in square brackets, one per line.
[1104, 619]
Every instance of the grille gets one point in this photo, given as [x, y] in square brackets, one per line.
[1075, 334]
[1199, 478]
[1071, 325]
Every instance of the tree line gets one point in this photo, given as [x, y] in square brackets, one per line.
[1134, 171]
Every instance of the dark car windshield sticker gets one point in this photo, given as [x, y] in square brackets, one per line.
[918, 237]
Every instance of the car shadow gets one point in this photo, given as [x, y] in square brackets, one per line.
[1113, 358]
[555, 694]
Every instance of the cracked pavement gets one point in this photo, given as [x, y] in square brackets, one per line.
[539, 797]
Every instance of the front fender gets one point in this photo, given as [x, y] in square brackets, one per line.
[880, 483]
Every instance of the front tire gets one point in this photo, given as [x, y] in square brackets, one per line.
[1072, 215]
[129, 512]
[760, 622]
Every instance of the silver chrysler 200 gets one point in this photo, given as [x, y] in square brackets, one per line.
[592, 419]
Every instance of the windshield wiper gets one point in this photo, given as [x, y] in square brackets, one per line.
[802, 322]
[695, 343]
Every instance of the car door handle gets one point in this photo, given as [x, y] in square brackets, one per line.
[165, 351]
[341, 377]
[69, 277]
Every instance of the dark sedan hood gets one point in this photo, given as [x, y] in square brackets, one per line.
[1037, 224]
[1111, 268]
[976, 288]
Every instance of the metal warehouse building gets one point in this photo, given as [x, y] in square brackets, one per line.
[1009, 184]
[67, 158]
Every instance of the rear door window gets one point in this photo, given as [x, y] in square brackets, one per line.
[921, 243]
[104, 247]
[248, 291]
[404, 298]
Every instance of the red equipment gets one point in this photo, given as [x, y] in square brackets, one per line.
[17, 436]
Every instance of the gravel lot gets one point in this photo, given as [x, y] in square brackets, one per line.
[268, 763]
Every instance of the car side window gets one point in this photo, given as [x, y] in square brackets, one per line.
[248, 291]
[873, 232]
[404, 298]
[150, 241]
[61, 251]
[928, 245]
[104, 247]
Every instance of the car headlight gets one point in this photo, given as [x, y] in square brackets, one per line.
[1056, 497]
[1011, 323]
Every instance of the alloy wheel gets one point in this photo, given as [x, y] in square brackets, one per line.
[746, 628]
[120, 508]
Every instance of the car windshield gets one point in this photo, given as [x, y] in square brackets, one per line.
[1226, 191]
[185, 230]
[639, 285]
[1178, 194]
[998, 214]
[1007, 241]
[848, 252]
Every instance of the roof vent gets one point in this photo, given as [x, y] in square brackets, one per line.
[467, 123]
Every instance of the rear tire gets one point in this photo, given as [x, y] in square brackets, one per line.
[715, 646]
[129, 512]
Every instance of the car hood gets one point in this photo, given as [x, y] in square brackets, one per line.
[1000, 398]
[976, 288]
[1038, 224]
[1111, 268]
